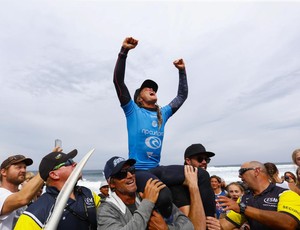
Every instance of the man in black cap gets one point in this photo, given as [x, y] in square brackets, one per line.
[80, 211]
[125, 208]
[197, 156]
[12, 201]
[181, 195]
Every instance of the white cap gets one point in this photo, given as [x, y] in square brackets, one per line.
[103, 183]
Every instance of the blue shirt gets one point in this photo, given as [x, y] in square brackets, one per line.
[145, 137]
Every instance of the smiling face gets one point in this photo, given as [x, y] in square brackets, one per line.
[126, 186]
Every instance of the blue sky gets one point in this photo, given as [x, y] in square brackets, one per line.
[242, 61]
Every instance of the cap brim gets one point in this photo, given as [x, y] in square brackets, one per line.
[209, 154]
[27, 161]
[118, 168]
[72, 154]
[149, 84]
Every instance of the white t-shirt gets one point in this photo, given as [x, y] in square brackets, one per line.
[8, 221]
[283, 184]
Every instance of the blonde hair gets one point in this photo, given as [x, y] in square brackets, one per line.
[294, 156]
[158, 111]
[29, 175]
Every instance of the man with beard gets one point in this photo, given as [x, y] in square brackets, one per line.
[13, 201]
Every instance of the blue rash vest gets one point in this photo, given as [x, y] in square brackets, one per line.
[145, 138]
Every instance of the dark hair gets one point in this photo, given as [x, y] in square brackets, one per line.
[271, 170]
[216, 177]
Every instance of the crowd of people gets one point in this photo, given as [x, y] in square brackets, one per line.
[138, 192]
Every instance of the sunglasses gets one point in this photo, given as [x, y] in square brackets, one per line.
[243, 170]
[201, 158]
[123, 173]
[67, 163]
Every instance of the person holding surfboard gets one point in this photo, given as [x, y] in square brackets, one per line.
[80, 211]
[126, 209]
[146, 122]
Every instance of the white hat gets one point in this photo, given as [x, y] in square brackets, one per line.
[103, 183]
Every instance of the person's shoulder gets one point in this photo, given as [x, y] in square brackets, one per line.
[43, 202]
[4, 191]
[291, 194]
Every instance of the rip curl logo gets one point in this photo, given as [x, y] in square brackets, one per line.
[153, 142]
[117, 161]
[154, 123]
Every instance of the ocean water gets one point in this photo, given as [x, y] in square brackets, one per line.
[92, 179]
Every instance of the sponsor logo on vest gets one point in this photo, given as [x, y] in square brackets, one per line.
[271, 200]
[153, 142]
[89, 202]
[151, 132]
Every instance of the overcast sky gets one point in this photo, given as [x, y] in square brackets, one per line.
[242, 61]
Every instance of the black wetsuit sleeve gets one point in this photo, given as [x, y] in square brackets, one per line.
[119, 76]
[182, 92]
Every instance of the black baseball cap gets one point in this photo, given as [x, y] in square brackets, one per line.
[115, 164]
[146, 84]
[53, 159]
[16, 159]
[196, 149]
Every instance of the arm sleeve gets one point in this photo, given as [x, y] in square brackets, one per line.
[119, 76]
[289, 202]
[182, 92]
[26, 223]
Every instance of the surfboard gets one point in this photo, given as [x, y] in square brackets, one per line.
[65, 192]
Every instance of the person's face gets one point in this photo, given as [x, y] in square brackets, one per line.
[15, 174]
[199, 161]
[298, 159]
[104, 190]
[215, 183]
[124, 186]
[148, 96]
[65, 169]
[247, 174]
[234, 192]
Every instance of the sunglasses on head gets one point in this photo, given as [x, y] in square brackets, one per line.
[67, 163]
[201, 158]
[243, 170]
[123, 173]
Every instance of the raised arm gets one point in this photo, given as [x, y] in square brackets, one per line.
[196, 214]
[119, 71]
[24, 196]
[182, 92]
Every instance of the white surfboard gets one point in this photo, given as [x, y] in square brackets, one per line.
[65, 192]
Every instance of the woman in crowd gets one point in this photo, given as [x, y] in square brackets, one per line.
[234, 190]
[273, 173]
